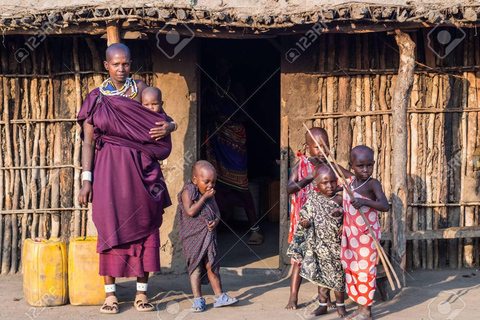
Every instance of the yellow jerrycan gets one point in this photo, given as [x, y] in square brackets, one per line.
[85, 285]
[45, 272]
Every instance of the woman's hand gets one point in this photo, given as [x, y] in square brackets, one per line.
[163, 129]
[305, 223]
[85, 195]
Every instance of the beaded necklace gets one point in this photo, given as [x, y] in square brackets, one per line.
[332, 196]
[129, 83]
[355, 188]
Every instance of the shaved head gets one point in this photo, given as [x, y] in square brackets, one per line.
[316, 131]
[152, 91]
[321, 171]
[116, 48]
[363, 152]
[201, 165]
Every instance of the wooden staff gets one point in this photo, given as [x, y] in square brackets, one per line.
[341, 177]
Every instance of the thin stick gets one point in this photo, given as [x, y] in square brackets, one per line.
[341, 177]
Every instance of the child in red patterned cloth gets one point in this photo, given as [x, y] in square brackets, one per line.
[198, 216]
[359, 253]
[299, 185]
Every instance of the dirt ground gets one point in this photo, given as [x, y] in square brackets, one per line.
[443, 294]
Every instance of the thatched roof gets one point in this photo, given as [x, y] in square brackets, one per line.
[256, 14]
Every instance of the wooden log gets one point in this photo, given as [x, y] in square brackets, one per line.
[345, 128]
[284, 198]
[77, 148]
[26, 195]
[367, 93]
[9, 176]
[358, 95]
[464, 126]
[442, 179]
[53, 187]
[401, 96]
[55, 197]
[454, 191]
[96, 60]
[43, 183]
[434, 179]
[386, 145]
[17, 182]
[376, 125]
[34, 158]
[471, 131]
[330, 86]
[2, 185]
[24, 151]
[414, 170]
[430, 168]
[113, 32]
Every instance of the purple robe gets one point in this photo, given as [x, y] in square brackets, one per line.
[129, 191]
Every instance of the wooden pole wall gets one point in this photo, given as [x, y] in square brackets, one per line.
[40, 146]
[443, 108]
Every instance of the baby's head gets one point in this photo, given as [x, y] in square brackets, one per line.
[361, 161]
[312, 147]
[204, 176]
[325, 180]
[152, 99]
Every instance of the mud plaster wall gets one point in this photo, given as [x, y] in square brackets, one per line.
[177, 79]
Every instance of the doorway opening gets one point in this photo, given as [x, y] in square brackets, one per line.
[241, 78]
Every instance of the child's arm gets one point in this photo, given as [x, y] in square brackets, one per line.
[213, 224]
[192, 208]
[294, 185]
[381, 202]
[345, 172]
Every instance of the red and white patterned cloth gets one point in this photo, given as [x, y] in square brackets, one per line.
[359, 252]
[305, 167]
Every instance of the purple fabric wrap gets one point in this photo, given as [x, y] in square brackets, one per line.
[129, 191]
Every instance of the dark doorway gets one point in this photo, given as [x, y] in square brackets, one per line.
[254, 69]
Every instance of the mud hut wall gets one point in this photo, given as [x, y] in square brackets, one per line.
[344, 84]
[40, 158]
[177, 78]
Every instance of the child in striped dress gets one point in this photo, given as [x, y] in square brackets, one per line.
[198, 216]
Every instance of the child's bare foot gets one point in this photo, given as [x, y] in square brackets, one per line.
[291, 305]
[322, 309]
[353, 315]
[362, 313]
[342, 312]
[362, 316]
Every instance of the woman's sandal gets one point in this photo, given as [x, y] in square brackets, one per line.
[142, 304]
[110, 306]
[198, 305]
[224, 300]
[256, 238]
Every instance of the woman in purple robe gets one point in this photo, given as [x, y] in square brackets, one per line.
[122, 178]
